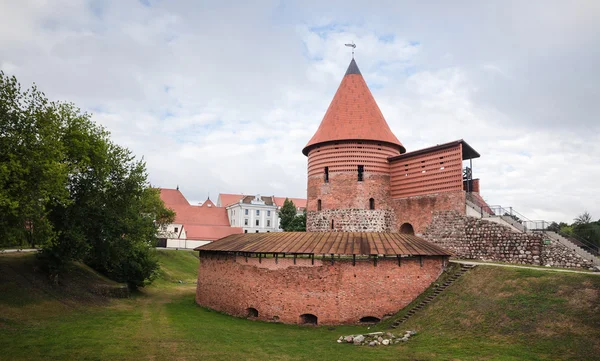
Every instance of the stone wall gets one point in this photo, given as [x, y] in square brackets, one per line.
[418, 211]
[556, 254]
[350, 220]
[337, 293]
[474, 238]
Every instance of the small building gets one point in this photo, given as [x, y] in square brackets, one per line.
[193, 225]
[256, 214]
[316, 278]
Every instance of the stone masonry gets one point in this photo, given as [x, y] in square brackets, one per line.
[474, 238]
[350, 220]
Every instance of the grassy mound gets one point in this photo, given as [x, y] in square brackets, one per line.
[490, 313]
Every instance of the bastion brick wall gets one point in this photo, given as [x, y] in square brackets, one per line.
[337, 294]
[419, 210]
[474, 238]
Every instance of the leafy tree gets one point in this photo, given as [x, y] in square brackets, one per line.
[66, 187]
[32, 174]
[298, 224]
[289, 220]
[554, 227]
[583, 218]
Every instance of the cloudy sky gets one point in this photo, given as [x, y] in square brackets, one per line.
[222, 96]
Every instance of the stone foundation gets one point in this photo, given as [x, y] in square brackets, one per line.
[350, 220]
[474, 238]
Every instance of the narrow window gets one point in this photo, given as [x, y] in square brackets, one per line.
[246, 222]
[326, 174]
[268, 213]
[361, 169]
[268, 223]
[257, 222]
[332, 224]
[371, 203]
[318, 205]
[257, 212]
[245, 211]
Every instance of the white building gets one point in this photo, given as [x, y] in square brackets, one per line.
[256, 214]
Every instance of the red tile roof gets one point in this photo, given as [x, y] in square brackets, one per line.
[209, 233]
[208, 203]
[298, 202]
[206, 222]
[173, 197]
[353, 115]
[229, 199]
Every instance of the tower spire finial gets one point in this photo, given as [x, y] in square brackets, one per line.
[353, 46]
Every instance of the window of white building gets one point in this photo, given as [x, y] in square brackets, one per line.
[246, 212]
[257, 222]
[246, 222]
[268, 223]
[268, 213]
[258, 212]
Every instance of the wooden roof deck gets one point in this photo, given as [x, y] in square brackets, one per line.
[337, 243]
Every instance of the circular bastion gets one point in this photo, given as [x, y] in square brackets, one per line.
[316, 278]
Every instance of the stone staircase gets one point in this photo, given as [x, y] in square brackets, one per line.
[522, 227]
[464, 268]
[567, 243]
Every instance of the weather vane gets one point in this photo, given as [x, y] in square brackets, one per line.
[353, 46]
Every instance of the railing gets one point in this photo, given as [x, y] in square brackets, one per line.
[540, 226]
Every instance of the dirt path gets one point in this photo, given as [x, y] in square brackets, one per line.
[550, 269]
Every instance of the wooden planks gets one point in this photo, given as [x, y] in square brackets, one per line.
[339, 243]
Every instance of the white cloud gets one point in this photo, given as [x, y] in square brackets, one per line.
[222, 97]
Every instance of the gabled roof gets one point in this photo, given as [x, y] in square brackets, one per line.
[337, 243]
[173, 197]
[209, 233]
[353, 115]
[208, 203]
[298, 202]
[225, 199]
[248, 200]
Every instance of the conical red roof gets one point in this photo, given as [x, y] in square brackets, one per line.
[353, 115]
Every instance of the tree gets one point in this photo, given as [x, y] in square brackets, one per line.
[290, 221]
[583, 218]
[554, 227]
[32, 174]
[67, 187]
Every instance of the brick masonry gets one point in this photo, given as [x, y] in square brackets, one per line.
[337, 294]
[418, 211]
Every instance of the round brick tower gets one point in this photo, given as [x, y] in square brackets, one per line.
[348, 169]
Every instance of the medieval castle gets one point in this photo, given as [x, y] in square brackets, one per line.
[381, 225]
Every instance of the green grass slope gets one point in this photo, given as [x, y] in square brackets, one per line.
[489, 314]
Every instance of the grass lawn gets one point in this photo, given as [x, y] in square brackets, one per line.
[490, 313]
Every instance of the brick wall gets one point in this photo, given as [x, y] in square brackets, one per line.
[418, 211]
[350, 220]
[336, 294]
